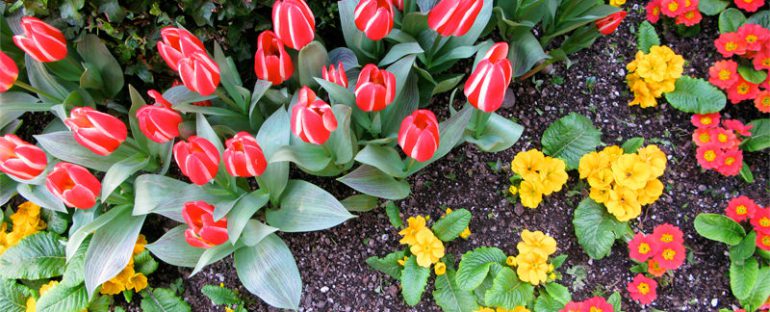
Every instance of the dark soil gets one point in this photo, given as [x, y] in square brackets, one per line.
[331, 262]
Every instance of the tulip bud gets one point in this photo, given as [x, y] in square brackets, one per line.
[398, 4]
[419, 135]
[609, 24]
[454, 17]
[486, 86]
[8, 72]
[203, 231]
[271, 62]
[197, 158]
[21, 159]
[176, 44]
[375, 89]
[74, 185]
[335, 75]
[244, 157]
[199, 73]
[374, 18]
[159, 122]
[99, 132]
[294, 23]
[312, 120]
[41, 41]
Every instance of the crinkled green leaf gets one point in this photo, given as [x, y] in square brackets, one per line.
[571, 137]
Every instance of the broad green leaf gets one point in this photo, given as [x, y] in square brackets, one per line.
[712, 7]
[558, 292]
[571, 137]
[166, 196]
[35, 257]
[388, 264]
[371, 181]
[414, 279]
[79, 236]
[525, 52]
[546, 303]
[730, 20]
[345, 56]
[220, 295]
[761, 18]
[751, 75]
[306, 207]
[360, 203]
[615, 301]
[310, 157]
[450, 297]
[398, 51]
[274, 133]
[745, 249]
[121, 171]
[696, 96]
[594, 228]
[255, 231]
[242, 212]
[211, 255]
[62, 145]
[761, 290]
[646, 37]
[41, 196]
[95, 53]
[384, 158]
[450, 226]
[163, 300]
[312, 58]
[632, 145]
[338, 93]
[475, 265]
[13, 296]
[719, 228]
[342, 142]
[743, 277]
[172, 248]
[746, 174]
[499, 135]
[760, 136]
[508, 291]
[63, 298]
[40, 79]
[116, 239]
[394, 216]
[180, 94]
[269, 271]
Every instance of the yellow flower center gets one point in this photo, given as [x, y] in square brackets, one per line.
[743, 88]
[704, 138]
[722, 137]
[729, 160]
[765, 101]
[643, 288]
[667, 238]
[673, 6]
[644, 248]
[751, 38]
[656, 11]
[724, 74]
[709, 155]
[765, 241]
[748, 1]
[705, 120]
[669, 254]
[690, 15]
[731, 46]
[764, 222]
[765, 61]
[741, 210]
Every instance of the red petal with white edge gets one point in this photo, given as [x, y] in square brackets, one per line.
[330, 122]
[109, 125]
[169, 54]
[314, 128]
[32, 156]
[440, 15]
[425, 147]
[470, 12]
[194, 240]
[17, 168]
[197, 170]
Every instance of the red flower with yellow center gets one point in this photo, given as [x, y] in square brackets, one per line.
[729, 44]
[702, 136]
[749, 5]
[690, 17]
[762, 101]
[709, 156]
[653, 267]
[705, 120]
[642, 247]
[724, 74]
[732, 162]
[761, 60]
[653, 11]
[741, 208]
[643, 289]
[761, 220]
[742, 90]
[763, 242]
[672, 8]
[671, 257]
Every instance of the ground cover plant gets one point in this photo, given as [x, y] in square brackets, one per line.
[274, 146]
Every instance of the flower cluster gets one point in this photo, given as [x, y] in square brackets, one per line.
[24, 222]
[538, 175]
[595, 304]
[532, 262]
[652, 74]
[624, 182]
[742, 209]
[423, 244]
[516, 309]
[718, 146]
[643, 289]
[661, 251]
[684, 12]
[750, 42]
[127, 279]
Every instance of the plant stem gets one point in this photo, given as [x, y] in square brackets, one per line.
[32, 89]
[480, 120]
[223, 96]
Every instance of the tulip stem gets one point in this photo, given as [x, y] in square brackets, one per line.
[223, 96]
[32, 89]
[409, 165]
[480, 120]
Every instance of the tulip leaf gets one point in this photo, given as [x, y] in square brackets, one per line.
[79, 236]
[342, 142]
[371, 181]
[499, 135]
[384, 158]
[414, 279]
[62, 145]
[166, 196]
[63, 298]
[338, 93]
[121, 171]
[406, 102]
[180, 94]
[274, 133]
[15, 104]
[37, 256]
[399, 51]
[309, 157]
[242, 211]
[116, 239]
[306, 207]
[211, 255]
[760, 136]
[475, 265]
[98, 58]
[345, 56]
[312, 58]
[719, 228]
[360, 203]
[40, 195]
[450, 297]
[525, 51]
[256, 117]
[401, 70]
[595, 228]
[13, 296]
[254, 232]
[508, 291]
[173, 249]
[365, 49]
[269, 271]
[9, 189]
[571, 137]
[40, 79]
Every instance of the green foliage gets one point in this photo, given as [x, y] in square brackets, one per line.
[220, 295]
[760, 136]
[719, 228]
[730, 20]
[631, 145]
[696, 96]
[414, 279]
[450, 297]
[508, 291]
[63, 298]
[571, 137]
[646, 37]
[36, 257]
[743, 277]
[712, 7]
[595, 228]
[388, 264]
[162, 300]
[476, 264]
[13, 297]
[450, 226]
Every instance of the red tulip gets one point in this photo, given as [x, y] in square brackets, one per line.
[608, 24]
[8, 72]
[374, 18]
[159, 122]
[199, 73]
[419, 135]
[335, 75]
[294, 23]
[398, 3]
[176, 44]
[454, 17]
[203, 231]
[486, 86]
[74, 185]
[99, 132]
[312, 120]
[41, 41]
[21, 159]
[271, 62]
[375, 89]
[244, 157]
[197, 158]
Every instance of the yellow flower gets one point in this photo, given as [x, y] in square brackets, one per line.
[415, 224]
[652, 74]
[532, 268]
[591, 162]
[623, 204]
[47, 286]
[465, 233]
[448, 211]
[25, 222]
[510, 261]
[612, 152]
[616, 3]
[141, 241]
[139, 282]
[536, 242]
[601, 179]
[439, 268]
[528, 164]
[553, 176]
[630, 171]
[31, 305]
[483, 309]
[654, 158]
[403, 261]
[229, 309]
[529, 194]
[652, 68]
[111, 288]
[513, 190]
[651, 192]
[427, 247]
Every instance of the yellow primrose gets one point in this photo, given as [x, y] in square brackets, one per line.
[612, 152]
[403, 261]
[415, 224]
[465, 233]
[654, 158]
[601, 178]
[623, 204]
[553, 176]
[529, 194]
[528, 164]
[536, 242]
[630, 171]
[510, 261]
[600, 195]
[483, 309]
[439, 268]
[532, 268]
[616, 3]
[427, 248]
[591, 162]
[513, 190]
[651, 192]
